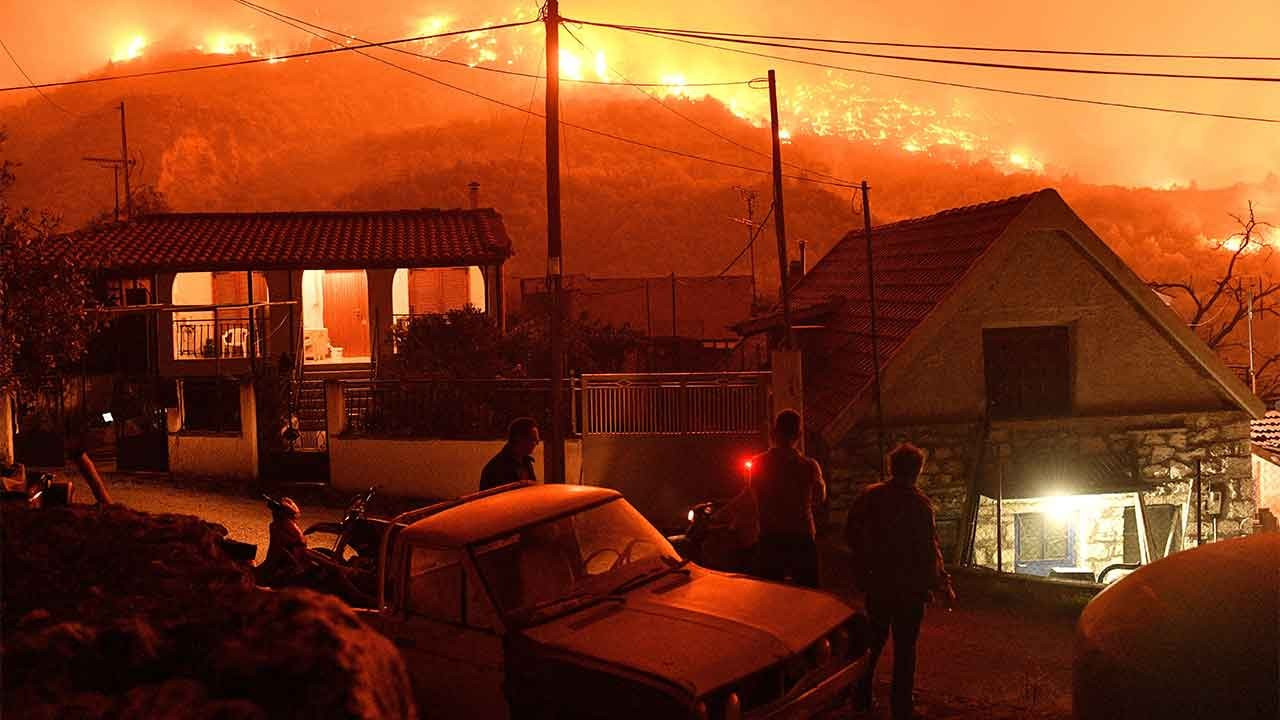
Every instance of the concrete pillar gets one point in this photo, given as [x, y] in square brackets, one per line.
[335, 409]
[163, 293]
[788, 383]
[381, 314]
[6, 429]
[288, 318]
[249, 423]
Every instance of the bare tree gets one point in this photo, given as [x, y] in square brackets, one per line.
[1220, 310]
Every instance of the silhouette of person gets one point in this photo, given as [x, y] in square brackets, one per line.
[514, 462]
[787, 485]
[897, 563]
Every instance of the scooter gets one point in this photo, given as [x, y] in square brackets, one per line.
[325, 569]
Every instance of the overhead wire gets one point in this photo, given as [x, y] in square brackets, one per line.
[32, 83]
[583, 128]
[701, 126]
[258, 60]
[458, 63]
[991, 49]
[676, 32]
[970, 86]
[750, 242]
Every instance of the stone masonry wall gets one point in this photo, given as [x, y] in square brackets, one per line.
[1165, 448]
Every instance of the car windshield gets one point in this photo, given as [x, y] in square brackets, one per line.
[548, 567]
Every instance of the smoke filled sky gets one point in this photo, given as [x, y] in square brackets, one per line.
[62, 39]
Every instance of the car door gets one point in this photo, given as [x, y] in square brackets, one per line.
[450, 638]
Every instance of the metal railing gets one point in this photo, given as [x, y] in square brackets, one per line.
[210, 338]
[448, 408]
[676, 404]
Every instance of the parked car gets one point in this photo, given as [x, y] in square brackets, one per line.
[561, 601]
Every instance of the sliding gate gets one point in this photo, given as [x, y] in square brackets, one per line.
[669, 440]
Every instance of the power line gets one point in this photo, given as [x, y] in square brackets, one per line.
[699, 125]
[269, 59]
[469, 66]
[969, 86]
[32, 83]
[583, 128]
[939, 61]
[987, 48]
[750, 242]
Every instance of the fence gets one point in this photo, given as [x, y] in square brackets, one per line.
[675, 404]
[213, 338]
[449, 409]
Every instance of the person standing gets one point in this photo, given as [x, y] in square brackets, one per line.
[898, 564]
[787, 485]
[514, 462]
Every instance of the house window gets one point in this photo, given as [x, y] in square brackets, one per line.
[210, 405]
[128, 291]
[1039, 538]
[1028, 371]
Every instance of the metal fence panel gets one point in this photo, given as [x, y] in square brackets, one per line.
[676, 404]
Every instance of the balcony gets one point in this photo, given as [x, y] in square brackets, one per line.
[215, 338]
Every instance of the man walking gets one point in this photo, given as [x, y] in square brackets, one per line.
[897, 563]
[787, 485]
[514, 462]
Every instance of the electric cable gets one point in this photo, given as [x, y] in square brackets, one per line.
[751, 241]
[972, 86]
[675, 32]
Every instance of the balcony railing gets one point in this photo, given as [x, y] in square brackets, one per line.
[214, 338]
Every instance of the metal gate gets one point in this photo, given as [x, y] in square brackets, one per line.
[676, 404]
[670, 440]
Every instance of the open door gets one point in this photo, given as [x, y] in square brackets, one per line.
[346, 312]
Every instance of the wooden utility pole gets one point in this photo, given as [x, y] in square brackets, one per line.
[554, 452]
[779, 214]
[675, 334]
[750, 196]
[875, 336]
[124, 159]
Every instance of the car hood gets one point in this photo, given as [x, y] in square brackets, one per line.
[700, 630]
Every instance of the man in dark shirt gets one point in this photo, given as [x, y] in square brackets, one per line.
[514, 462]
[897, 562]
[787, 485]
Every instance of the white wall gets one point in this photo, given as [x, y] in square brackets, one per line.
[313, 299]
[233, 455]
[475, 287]
[193, 288]
[436, 469]
[400, 292]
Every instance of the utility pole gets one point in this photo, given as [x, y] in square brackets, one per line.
[124, 159]
[750, 196]
[554, 453]
[1253, 377]
[114, 164]
[675, 342]
[875, 336]
[779, 214]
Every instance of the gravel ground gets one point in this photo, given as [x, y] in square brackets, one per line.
[980, 661]
[243, 514]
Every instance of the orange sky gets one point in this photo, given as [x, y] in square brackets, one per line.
[60, 39]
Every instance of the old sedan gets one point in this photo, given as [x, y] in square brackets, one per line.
[556, 601]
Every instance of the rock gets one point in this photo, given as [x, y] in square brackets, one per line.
[111, 613]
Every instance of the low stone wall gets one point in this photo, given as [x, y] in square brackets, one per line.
[1165, 448]
[221, 455]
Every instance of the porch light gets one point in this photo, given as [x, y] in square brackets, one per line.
[107, 417]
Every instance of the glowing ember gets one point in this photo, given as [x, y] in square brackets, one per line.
[675, 84]
[130, 49]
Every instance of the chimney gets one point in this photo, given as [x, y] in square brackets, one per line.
[473, 193]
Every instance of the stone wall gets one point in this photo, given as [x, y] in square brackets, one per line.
[1164, 448]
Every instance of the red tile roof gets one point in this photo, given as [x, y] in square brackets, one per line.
[1266, 432]
[917, 263]
[337, 239]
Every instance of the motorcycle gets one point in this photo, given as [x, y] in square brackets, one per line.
[325, 569]
[356, 532]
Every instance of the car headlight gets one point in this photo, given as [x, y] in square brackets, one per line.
[692, 515]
